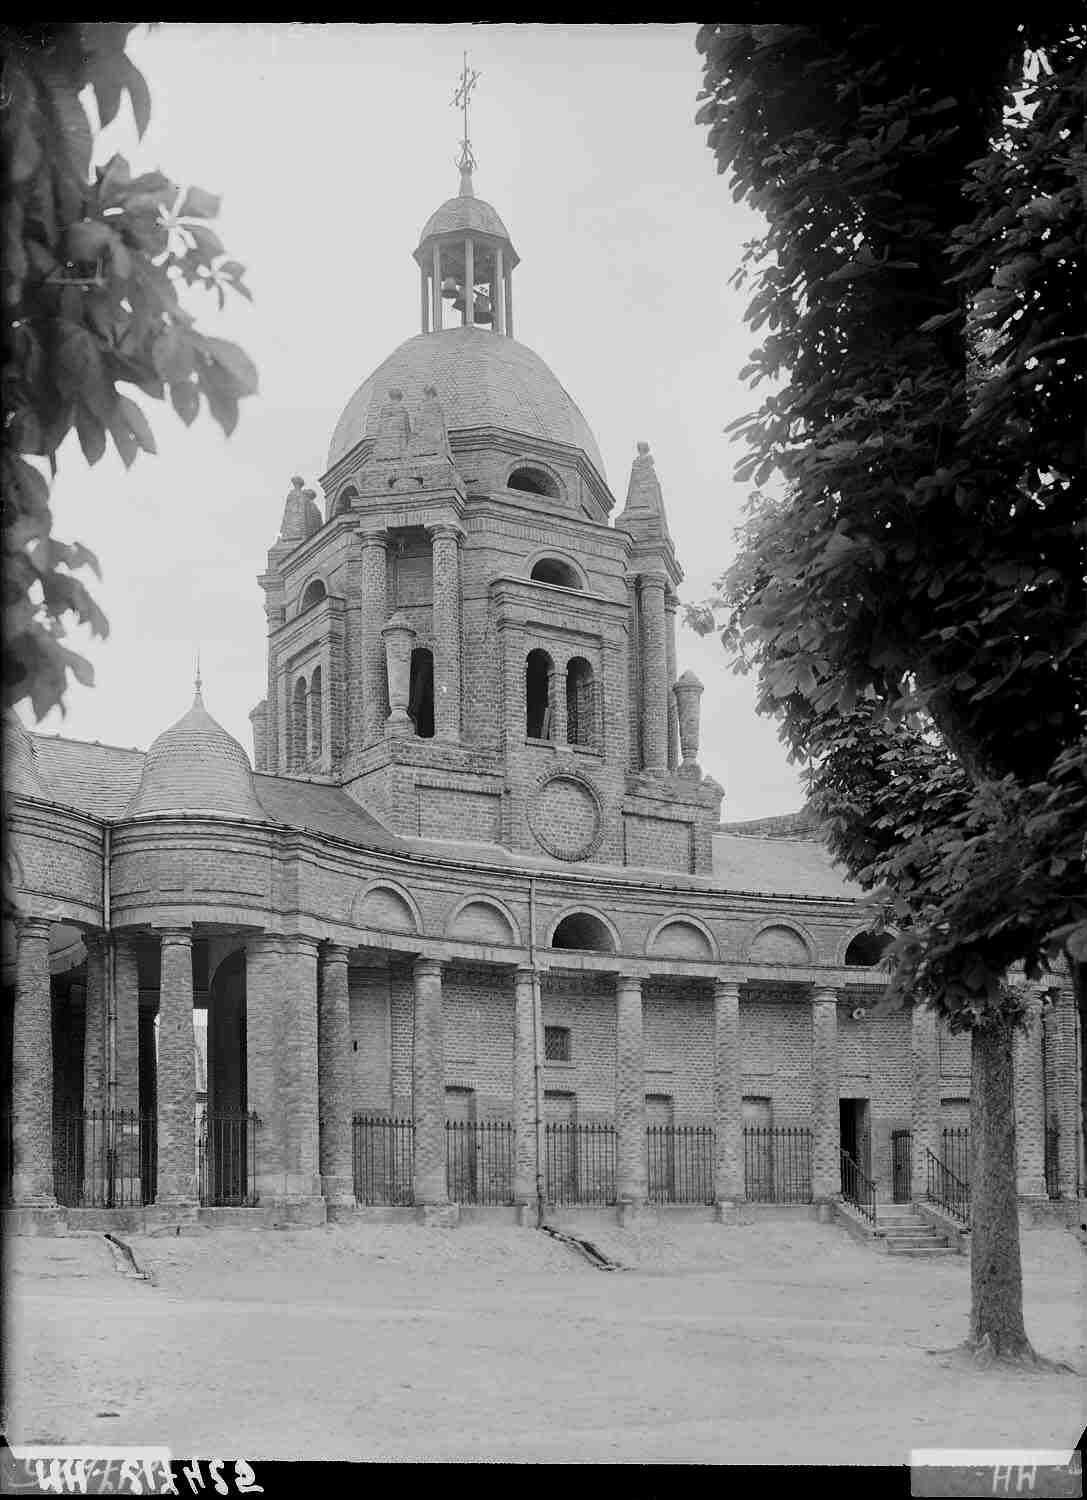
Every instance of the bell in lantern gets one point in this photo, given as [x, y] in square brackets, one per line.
[484, 313]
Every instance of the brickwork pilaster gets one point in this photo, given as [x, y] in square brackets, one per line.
[429, 1083]
[299, 1070]
[630, 1091]
[335, 1078]
[727, 1094]
[32, 1069]
[826, 1135]
[1029, 1102]
[524, 1086]
[1068, 1092]
[925, 1095]
[654, 675]
[94, 1023]
[445, 542]
[670, 606]
[375, 611]
[176, 1174]
[265, 1040]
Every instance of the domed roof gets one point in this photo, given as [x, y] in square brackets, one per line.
[195, 766]
[464, 213]
[482, 380]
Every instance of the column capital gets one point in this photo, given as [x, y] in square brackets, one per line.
[33, 928]
[300, 941]
[94, 940]
[438, 530]
[179, 937]
[373, 536]
[334, 953]
[628, 982]
[427, 968]
[671, 601]
[727, 989]
[653, 578]
[524, 974]
[824, 995]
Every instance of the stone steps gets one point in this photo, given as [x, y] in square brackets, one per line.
[906, 1233]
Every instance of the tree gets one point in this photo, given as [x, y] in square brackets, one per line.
[915, 605]
[97, 269]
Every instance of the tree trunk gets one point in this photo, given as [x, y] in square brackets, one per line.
[996, 1280]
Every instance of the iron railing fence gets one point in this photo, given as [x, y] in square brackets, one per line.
[946, 1189]
[1053, 1161]
[580, 1161]
[680, 1163]
[858, 1188]
[226, 1157]
[479, 1157]
[901, 1166]
[955, 1150]
[101, 1158]
[777, 1164]
[383, 1159]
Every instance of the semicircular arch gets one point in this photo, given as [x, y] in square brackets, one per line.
[781, 942]
[386, 906]
[603, 922]
[680, 935]
[483, 919]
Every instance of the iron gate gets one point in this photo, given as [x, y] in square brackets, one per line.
[901, 1166]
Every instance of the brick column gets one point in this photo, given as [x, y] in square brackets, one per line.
[265, 1040]
[1067, 1100]
[469, 282]
[925, 1095]
[126, 1003]
[176, 1072]
[429, 1084]
[445, 546]
[424, 301]
[524, 1087]
[436, 289]
[728, 1169]
[509, 302]
[670, 605]
[654, 675]
[335, 1078]
[630, 1091]
[32, 1069]
[826, 1163]
[1029, 1107]
[375, 610]
[94, 1025]
[298, 1070]
[556, 698]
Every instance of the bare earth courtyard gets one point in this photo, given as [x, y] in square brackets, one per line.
[781, 1342]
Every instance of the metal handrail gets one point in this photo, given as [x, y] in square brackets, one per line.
[946, 1190]
[858, 1188]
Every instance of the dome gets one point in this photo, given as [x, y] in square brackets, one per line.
[464, 213]
[482, 380]
[195, 766]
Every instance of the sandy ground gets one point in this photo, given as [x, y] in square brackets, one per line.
[783, 1342]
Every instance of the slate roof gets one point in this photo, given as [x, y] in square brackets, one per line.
[775, 866]
[96, 779]
[483, 379]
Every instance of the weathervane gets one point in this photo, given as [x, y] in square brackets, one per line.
[468, 80]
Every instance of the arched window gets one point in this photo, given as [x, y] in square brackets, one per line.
[299, 741]
[312, 594]
[866, 949]
[582, 930]
[538, 672]
[345, 500]
[421, 692]
[554, 570]
[533, 482]
[316, 715]
[580, 703]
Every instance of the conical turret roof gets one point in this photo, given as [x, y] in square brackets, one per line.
[196, 766]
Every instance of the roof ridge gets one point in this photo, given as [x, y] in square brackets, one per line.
[67, 739]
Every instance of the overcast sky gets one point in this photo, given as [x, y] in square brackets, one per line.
[331, 145]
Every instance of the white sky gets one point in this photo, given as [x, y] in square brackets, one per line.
[331, 145]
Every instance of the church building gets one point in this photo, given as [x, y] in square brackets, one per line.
[466, 930]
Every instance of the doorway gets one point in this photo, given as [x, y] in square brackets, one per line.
[854, 1132]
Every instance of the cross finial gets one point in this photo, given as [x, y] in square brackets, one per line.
[198, 683]
[465, 85]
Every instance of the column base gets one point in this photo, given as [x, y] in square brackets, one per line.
[1031, 1187]
[438, 1215]
[399, 723]
[824, 1210]
[338, 1192]
[34, 1221]
[726, 1212]
[629, 1210]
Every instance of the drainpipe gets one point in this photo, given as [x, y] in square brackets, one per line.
[536, 1069]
